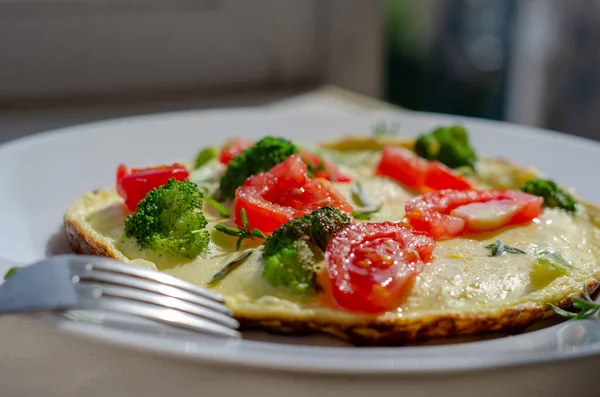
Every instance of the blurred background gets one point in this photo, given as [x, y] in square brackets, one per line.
[534, 62]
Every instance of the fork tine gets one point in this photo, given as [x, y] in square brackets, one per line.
[152, 286]
[113, 266]
[161, 314]
[90, 290]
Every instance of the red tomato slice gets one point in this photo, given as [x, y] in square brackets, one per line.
[272, 198]
[329, 170]
[449, 213]
[233, 148]
[440, 177]
[403, 166]
[417, 173]
[371, 266]
[134, 183]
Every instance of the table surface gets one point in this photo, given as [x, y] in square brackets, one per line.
[38, 361]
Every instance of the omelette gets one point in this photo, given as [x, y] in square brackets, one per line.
[487, 264]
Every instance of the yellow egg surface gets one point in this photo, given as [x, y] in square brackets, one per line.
[463, 291]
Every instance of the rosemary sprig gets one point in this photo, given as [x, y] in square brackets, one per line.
[216, 205]
[359, 196]
[241, 232]
[229, 267]
[552, 259]
[586, 305]
[365, 215]
[498, 248]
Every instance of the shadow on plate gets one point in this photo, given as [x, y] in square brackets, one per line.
[58, 243]
[306, 340]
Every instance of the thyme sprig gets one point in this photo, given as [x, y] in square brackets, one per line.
[498, 248]
[241, 232]
[359, 196]
[365, 215]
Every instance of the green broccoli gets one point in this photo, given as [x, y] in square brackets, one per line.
[448, 145]
[260, 157]
[293, 249]
[552, 194]
[170, 220]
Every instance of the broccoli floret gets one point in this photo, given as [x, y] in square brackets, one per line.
[290, 265]
[261, 157]
[552, 194]
[325, 223]
[448, 145]
[293, 249]
[170, 220]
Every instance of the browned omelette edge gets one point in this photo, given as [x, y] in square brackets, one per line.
[370, 330]
[375, 331]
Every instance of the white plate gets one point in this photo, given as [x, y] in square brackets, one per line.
[42, 175]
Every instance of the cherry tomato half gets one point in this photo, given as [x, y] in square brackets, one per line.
[449, 213]
[417, 173]
[272, 198]
[371, 265]
[134, 183]
[233, 148]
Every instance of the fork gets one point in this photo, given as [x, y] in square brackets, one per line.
[78, 282]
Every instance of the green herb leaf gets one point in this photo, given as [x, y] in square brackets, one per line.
[359, 196]
[216, 205]
[229, 267]
[314, 169]
[258, 233]
[320, 167]
[238, 243]
[498, 248]
[586, 305]
[365, 215]
[552, 259]
[227, 230]
[204, 156]
[361, 217]
[382, 129]
[11, 271]
[547, 267]
[465, 170]
[561, 312]
[514, 250]
[244, 218]
[241, 232]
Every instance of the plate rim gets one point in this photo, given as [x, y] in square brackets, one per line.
[450, 367]
[280, 363]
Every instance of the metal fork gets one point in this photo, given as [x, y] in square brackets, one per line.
[78, 282]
